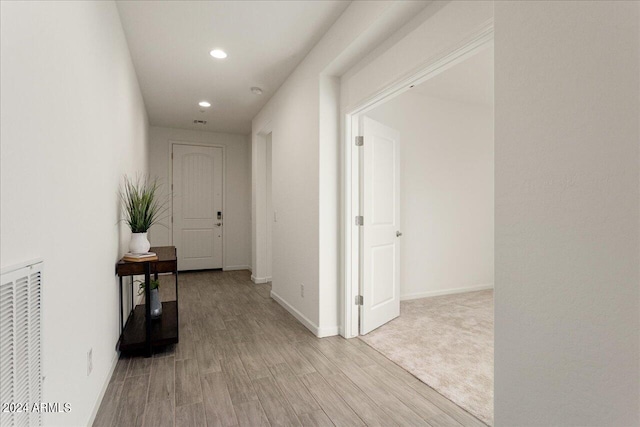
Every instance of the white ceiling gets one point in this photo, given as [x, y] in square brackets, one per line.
[265, 40]
[470, 81]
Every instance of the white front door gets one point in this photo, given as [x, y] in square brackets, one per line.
[381, 215]
[197, 206]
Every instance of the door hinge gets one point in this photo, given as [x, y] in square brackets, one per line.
[172, 219]
[359, 141]
[359, 300]
[172, 155]
[359, 220]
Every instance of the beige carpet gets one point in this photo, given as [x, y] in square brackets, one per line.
[447, 342]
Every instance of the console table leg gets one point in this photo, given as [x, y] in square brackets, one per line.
[133, 304]
[177, 306]
[121, 325]
[147, 303]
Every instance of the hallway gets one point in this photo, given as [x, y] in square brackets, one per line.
[243, 360]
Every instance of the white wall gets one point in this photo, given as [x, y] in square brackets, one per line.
[292, 115]
[73, 122]
[567, 78]
[446, 201]
[237, 209]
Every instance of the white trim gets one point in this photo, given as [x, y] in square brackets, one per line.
[428, 294]
[18, 266]
[266, 129]
[105, 385]
[259, 280]
[173, 142]
[236, 267]
[351, 235]
[427, 70]
[315, 329]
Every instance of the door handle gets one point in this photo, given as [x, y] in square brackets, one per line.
[398, 234]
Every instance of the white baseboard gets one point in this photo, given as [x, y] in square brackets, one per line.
[236, 267]
[96, 406]
[315, 329]
[258, 280]
[445, 292]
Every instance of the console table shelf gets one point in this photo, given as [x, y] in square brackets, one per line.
[164, 331]
[141, 332]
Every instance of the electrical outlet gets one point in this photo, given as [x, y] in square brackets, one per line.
[89, 361]
[302, 290]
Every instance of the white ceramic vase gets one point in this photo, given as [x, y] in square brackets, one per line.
[139, 243]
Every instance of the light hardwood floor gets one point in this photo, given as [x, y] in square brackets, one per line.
[243, 360]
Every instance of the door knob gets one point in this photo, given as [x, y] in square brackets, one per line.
[398, 234]
[218, 224]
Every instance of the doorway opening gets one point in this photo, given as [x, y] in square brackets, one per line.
[420, 252]
[264, 217]
[269, 208]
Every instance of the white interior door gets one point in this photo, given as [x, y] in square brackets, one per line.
[381, 211]
[197, 206]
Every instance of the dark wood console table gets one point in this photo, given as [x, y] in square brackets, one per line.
[140, 332]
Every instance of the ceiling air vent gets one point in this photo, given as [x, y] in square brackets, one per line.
[200, 122]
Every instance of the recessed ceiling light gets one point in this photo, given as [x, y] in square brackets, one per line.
[256, 90]
[218, 53]
[204, 104]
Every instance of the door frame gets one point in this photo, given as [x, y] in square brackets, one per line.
[259, 215]
[173, 142]
[352, 158]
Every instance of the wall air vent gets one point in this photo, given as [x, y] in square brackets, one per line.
[200, 122]
[20, 342]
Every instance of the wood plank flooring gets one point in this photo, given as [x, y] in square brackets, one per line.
[243, 360]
